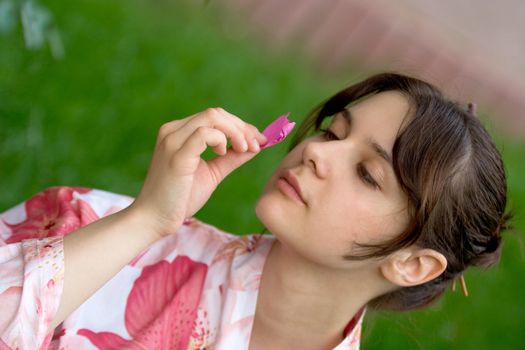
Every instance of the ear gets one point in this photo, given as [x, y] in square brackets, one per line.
[413, 266]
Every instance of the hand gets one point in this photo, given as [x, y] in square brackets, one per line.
[179, 182]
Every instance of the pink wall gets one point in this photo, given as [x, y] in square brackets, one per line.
[474, 49]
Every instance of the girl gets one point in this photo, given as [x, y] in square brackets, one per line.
[385, 208]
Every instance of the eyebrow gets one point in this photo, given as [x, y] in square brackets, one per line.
[379, 150]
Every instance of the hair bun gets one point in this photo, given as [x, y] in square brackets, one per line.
[493, 243]
[491, 254]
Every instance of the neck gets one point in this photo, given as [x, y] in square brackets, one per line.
[302, 300]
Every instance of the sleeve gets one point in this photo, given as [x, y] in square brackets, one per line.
[31, 283]
[32, 258]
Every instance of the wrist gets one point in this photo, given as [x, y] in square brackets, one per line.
[150, 222]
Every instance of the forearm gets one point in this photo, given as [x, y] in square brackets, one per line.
[179, 182]
[96, 253]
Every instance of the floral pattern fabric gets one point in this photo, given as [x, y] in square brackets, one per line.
[194, 289]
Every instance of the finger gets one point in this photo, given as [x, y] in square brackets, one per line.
[239, 132]
[221, 119]
[186, 158]
[213, 118]
[168, 128]
[223, 166]
[245, 137]
[253, 136]
[172, 126]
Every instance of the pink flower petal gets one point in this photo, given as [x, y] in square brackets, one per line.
[52, 212]
[108, 340]
[277, 130]
[4, 346]
[163, 303]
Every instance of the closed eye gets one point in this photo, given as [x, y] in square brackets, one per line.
[361, 169]
[329, 135]
[366, 177]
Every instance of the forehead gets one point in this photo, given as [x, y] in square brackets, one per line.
[380, 115]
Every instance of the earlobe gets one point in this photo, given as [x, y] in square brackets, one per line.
[412, 267]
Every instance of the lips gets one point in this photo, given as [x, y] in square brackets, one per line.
[289, 177]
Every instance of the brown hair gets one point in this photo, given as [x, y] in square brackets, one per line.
[449, 167]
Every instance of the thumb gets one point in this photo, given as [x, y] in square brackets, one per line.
[224, 165]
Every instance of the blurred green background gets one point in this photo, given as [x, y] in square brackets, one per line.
[91, 118]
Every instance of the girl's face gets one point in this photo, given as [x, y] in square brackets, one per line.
[347, 182]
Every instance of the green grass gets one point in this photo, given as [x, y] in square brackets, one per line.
[91, 120]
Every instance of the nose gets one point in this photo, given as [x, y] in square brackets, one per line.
[315, 156]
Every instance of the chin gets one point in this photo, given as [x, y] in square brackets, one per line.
[270, 212]
[263, 209]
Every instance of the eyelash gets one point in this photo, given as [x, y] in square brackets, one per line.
[329, 135]
[361, 169]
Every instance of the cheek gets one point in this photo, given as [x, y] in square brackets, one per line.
[395, 217]
[346, 222]
[382, 225]
[359, 218]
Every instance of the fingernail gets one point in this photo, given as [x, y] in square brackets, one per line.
[255, 144]
[244, 145]
[263, 138]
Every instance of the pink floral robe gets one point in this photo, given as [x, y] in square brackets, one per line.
[195, 289]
